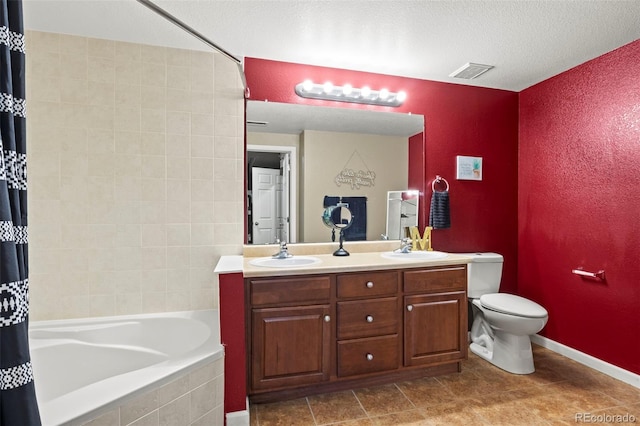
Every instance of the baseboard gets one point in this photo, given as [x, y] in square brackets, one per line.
[588, 360]
[238, 418]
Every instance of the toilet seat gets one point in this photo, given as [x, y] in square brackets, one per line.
[513, 305]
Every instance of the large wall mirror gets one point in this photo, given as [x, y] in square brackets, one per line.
[301, 157]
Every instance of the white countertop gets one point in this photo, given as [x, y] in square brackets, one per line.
[353, 263]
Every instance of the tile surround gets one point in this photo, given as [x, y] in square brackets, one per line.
[135, 175]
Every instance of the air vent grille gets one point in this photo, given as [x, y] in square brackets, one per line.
[470, 70]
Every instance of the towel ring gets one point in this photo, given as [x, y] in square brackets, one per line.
[439, 179]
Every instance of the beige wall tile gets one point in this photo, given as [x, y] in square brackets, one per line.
[121, 177]
[153, 54]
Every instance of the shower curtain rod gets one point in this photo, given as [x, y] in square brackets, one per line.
[157, 9]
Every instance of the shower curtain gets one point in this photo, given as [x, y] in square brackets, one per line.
[18, 405]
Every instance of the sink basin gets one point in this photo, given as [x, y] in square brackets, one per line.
[289, 262]
[415, 255]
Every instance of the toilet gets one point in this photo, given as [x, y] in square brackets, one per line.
[502, 323]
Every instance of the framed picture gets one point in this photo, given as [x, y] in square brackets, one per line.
[468, 168]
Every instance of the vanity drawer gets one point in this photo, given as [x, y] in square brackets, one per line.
[436, 280]
[365, 318]
[367, 284]
[305, 290]
[368, 355]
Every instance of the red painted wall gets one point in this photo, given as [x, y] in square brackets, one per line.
[232, 336]
[459, 120]
[578, 204]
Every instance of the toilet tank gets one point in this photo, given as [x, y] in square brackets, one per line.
[483, 273]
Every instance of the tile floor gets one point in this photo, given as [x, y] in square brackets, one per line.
[560, 392]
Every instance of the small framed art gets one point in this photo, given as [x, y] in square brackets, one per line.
[468, 168]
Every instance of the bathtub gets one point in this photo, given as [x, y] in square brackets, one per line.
[88, 368]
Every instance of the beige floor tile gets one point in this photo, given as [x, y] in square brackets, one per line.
[555, 394]
[380, 400]
[406, 418]
[335, 407]
[451, 413]
[426, 391]
[286, 413]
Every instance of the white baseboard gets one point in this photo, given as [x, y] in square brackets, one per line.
[588, 360]
[239, 418]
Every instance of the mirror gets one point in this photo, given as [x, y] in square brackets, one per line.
[339, 152]
[402, 213]
[338, 217]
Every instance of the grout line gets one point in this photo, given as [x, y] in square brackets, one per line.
[315, 422]
[403, 394]
[360, 403]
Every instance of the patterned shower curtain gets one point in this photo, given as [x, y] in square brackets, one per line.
[18, 405]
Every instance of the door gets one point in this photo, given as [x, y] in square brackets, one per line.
[435, 328]
[290, 346]
[266, 187]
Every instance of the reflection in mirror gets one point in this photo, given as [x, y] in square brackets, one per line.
[323, 142]
[402, 213]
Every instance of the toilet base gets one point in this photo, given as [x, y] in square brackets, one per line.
[510, 352]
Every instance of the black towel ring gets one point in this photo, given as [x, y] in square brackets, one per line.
[439, 179]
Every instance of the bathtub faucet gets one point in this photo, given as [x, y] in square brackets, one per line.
[284, 252]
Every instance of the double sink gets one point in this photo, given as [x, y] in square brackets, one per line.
[300, 261]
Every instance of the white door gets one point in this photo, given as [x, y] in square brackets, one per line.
[265, 183]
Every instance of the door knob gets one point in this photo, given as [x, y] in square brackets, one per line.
[409, 308]
[369, 357]
[369, 284]
[327, 318]
[369, 318]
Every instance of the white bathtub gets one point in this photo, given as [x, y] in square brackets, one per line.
[84, 368]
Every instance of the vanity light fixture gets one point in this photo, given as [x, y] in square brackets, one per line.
[347, 93]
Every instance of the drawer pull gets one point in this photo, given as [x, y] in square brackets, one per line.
[369, 357]
[327, 318]
[369, 318]
[409, 308]
[369, 284]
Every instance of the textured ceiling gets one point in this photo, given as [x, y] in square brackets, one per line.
[526, 41]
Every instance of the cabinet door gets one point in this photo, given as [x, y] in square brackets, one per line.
[291, 346]
[435, 328]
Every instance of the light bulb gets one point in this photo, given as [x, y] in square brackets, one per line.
[365, 92]
[327, 87]
[347, 89]
[384, 94]
[401, 96]
[307, 85]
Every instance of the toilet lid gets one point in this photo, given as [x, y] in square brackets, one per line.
[513, 305]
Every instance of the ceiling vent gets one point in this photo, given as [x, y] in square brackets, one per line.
[470, 70]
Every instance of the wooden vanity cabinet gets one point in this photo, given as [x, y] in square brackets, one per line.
[327, 332]
[290, 341]
[435, 317]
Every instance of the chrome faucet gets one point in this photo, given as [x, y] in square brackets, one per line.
[284, 252]
[405, 246]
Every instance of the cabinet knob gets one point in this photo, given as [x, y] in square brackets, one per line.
[369, 318]
[369, 284]
[327, 318]
[409, 308]
[369, 357]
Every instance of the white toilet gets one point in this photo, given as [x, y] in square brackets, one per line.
[502, 323]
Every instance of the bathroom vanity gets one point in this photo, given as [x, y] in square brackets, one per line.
[352, 322]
